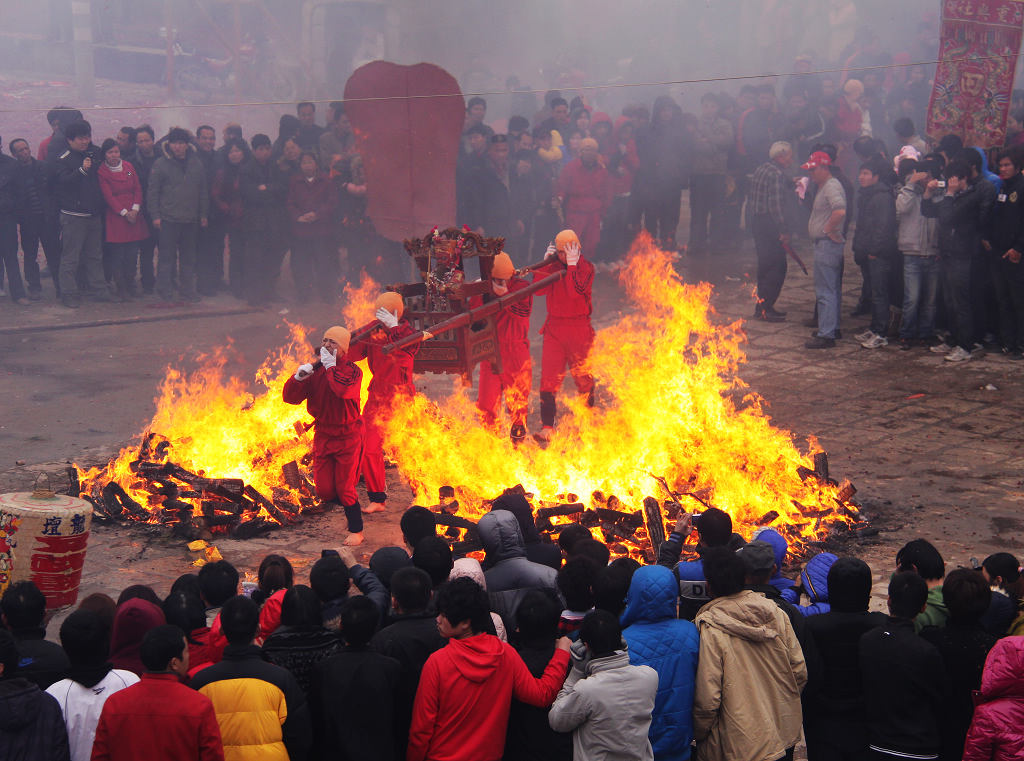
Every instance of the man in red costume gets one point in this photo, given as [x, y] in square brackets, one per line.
[516, 377]
[391, 381]
[585, 191]
[331, 393]
[567, 332]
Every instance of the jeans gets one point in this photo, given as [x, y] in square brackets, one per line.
[879, 268]
[36, 229]
[177, 257]
[771, 261]
[956, 290]
[81, 240]
[828, 285]
[920, 290]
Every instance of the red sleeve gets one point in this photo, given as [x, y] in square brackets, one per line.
[400, 331]
[210, 745]
[108, 194]
[537, 692]
[425, 710]
[582, 278]
[270, 614]
[357, 351]
[542, 272]
[520, 308]
[344, 380]
[43, 145]
[101, 743]
[296, 391]
[217, 190]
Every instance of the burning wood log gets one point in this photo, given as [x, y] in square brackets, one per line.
[249, 529]
[290, 471]
[260, 501]
[461, 549]
[614, 533]
[560, 511]
[821, 465]
[633, 520]
[767, 518]
[655, 523]
[118, 501]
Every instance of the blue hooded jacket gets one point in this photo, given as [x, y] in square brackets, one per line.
[814, 580]
[780, 546]
[987, 172]
[670, 646]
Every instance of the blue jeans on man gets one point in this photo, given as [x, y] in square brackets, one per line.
[920, 293]
[828, 285]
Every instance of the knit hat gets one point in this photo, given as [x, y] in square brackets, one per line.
[502, 267]
[564, 238]
[340, 335]
[391, 301]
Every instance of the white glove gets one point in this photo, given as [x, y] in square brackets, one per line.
[551, 251]
[572, 254]
[385, 318]
[304, 371]
[327, 359]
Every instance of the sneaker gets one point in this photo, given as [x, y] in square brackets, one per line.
[863, 336]
[818, 342]
[959, 354]
[941, 348]
[875, 342]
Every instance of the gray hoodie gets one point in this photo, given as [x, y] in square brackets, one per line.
[918, 235]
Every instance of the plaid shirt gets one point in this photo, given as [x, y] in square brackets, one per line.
[766, 192]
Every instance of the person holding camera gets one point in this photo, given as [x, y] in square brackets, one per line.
[81, 205]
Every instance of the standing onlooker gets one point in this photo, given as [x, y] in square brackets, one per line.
[226, 197]
[606, 702]
[713, 137]
[918, 241]
[1004, 244]
[1002, 572]
[995, 733]
[311, 203]
[663, 152]
[125, 226]
[36, 218]
[31, 726]
[179, 203]
[921, 557]
[145, 157]
[159, 714]
[337, 142]
[825, 228]
[904, 678]
[874, 245]
[750, 673]
[658, 639]
[301, 643]
[91, 679]
[309, 132]
[23, 613]
[767, 207]
[9, 205]
[210, 240]
[263, 194]
[81, 225]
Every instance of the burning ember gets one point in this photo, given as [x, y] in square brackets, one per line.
[674, 424]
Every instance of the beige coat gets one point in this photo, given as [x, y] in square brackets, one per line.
[749, 677]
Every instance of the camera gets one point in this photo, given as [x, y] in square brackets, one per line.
[940, 184]
[329, 554]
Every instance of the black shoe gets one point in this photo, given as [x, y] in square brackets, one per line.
[770, 316]
[820, 343]
[906, 344]
[860, 310]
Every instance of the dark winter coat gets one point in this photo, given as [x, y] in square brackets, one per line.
[814, 580]
[31, 724]
[537, 550]
[300, 650]
[317, 196]
[42, 662]
[1006, 223]
[262, 209]
[961, 219]
[178, 190]
[670, 646]
[530, 736]
[226, 196]
[488, 205]
[9, 187]
[78, 190]
[877, 229]
[997, 731]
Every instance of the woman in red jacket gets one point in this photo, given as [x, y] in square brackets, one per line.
[125, 226]
[997, 731]
[311, 204]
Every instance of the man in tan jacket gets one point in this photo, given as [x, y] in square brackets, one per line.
[750, 672]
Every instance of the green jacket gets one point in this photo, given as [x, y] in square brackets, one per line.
[935, 613]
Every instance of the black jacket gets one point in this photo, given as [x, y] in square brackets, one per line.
[9, 191]
[262, 209]
[529, 736]
[34, 178]
[42, 662]
[31, 724]
[877, 229]
[961, 219]
[905, 687]
[357, 690]
[300, 649]
[487, 204]
[1006, 222]
[78, 190]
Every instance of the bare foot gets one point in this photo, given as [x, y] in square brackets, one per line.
[374, 507]
[354, 539]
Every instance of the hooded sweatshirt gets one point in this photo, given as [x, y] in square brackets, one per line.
[780, 547]
[749, 678]
[131, 622]
[997, 731]
[471, 569]
[31, 726]
[462, 703]
[814, 580]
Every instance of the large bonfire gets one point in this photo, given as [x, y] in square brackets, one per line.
[673, 419]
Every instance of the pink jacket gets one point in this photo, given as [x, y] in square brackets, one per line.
[997, 731]
[122, 192]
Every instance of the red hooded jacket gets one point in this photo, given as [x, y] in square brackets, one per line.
[462, 704]
[997, 731]
[131, 622]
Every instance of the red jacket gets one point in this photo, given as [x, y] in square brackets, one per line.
[123, 192]
[463, 699]
[331, 397]
[570, 296]
[997, 731]
[513, 323]
[316, 196]
[584, 190]
[158, 717]
[270, 613]
[392, 373]
[622, 159]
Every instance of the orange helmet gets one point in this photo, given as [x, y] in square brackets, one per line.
[391, 301]
[502, 267]
[564, 238]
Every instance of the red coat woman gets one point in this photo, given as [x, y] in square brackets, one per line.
[125, 225]
[311, 207]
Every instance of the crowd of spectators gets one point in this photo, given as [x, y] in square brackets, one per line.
[568, 655]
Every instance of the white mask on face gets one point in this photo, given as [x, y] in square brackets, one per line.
[499, 290]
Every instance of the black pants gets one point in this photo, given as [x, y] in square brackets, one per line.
[956, 292]
[659, 210]
[263, 256]
[236, 263]
[771, 261]
[879, 269]
[122, 258]
[1008, 282]
[9, 256]
[147, 248]
[41, 229]
[315, 269]
[707, 204]
[210, 257]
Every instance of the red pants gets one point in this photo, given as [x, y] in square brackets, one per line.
[567, 342]
[372, 464]
[336, 472]
[587, 225]
[515, 380]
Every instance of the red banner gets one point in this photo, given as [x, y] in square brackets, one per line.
[978, 48]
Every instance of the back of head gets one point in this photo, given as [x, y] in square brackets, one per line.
[596, 551]
[359, 619]
[518, 505]
[411, 588]
[966, 594]
[417, 522]
[600, 631]
[240, 620]
[131, 622]
[849, 585]
[611, 585]
[537, 616]
[139, 592]
[950, 144]
[187, 583]
[908, 593]
[462, 599]
[300, 607]
[160, 646]
[920, 555]
[433, 555]
[970, 157]
[185, 610]
[571, 534]
[85, 638]
[23, 606]
[275, 572]
[714, 527]
[102, 605]
[575, 582]
[1002, 566]
[218, 582]
[387, 561]
[9, 654]
[329, 578]
[724, 571]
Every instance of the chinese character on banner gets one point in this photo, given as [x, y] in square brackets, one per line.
[51, 526]
[77, 524]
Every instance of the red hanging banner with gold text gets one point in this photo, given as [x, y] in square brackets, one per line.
[978, 48]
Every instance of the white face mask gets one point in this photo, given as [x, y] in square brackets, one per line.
[499, 290]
